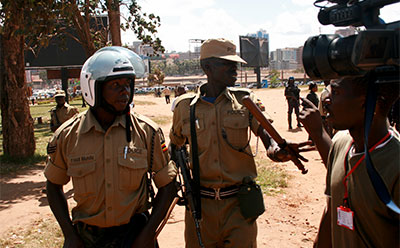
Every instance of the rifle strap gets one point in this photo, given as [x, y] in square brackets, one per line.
[150, 172]
[195, 162]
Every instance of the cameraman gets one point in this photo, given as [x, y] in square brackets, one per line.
[369, 222]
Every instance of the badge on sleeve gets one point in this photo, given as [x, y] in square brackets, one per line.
[164, 148]
[260, 105]
[345, 217]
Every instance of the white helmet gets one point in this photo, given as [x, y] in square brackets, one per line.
[105, 65]
[135, 59]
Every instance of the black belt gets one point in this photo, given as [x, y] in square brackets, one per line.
[219, 193]
[141, 218]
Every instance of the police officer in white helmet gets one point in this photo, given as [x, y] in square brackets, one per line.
[112, 156]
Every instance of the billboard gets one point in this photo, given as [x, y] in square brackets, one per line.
[255, 51]
[65, 51]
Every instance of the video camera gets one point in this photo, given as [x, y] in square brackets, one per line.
[332, 56]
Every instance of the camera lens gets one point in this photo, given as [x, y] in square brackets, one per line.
[329, 56]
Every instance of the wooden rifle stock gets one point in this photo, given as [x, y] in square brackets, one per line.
[256, 112]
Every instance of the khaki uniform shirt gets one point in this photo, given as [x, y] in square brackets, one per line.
[60, 115]
[109, 185]
[375, 225]
[220, 164]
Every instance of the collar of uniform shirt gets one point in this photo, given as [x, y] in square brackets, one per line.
[90, 121]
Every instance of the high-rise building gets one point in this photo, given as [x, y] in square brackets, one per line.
[260, 34]
[286, 58]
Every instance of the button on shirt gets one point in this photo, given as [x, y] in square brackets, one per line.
[109, 180]
[220, 164]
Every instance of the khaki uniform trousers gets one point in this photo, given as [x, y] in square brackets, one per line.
[222, 226]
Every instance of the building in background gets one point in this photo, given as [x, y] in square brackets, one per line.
[142, 49]
[260, 34]
[286, 58]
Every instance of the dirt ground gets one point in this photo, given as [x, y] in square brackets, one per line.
[291, 219]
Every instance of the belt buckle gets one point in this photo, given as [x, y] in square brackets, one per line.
[217, 194]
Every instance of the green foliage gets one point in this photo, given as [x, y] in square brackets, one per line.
[42, 20]
[274, 79]
[178, 67]
[32, 19]
[156, 77]
[144, 25]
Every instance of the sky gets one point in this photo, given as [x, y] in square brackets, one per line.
[288, 22]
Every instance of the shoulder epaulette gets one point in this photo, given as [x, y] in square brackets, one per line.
[147, 120]
[240, 92]
[186, 96]
[239, 89]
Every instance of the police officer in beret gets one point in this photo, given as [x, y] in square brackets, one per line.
[222, 126]
[62, 112]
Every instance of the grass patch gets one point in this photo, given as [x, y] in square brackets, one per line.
[161, 120]
[42, 233]
[272, 179]
[137, 102]
[11, 165]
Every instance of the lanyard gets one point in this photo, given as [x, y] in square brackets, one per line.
[346, 193]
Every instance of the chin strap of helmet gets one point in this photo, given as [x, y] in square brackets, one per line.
[128, 125]
[110, 109]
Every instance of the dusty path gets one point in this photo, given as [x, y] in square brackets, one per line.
[291, 218]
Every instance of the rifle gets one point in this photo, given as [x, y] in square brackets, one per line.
[181, 159]
[256, 112]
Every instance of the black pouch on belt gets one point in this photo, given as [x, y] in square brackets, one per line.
[251, 200]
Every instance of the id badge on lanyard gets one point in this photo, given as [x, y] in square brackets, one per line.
[345, 217]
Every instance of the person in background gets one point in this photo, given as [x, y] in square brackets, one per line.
[292, 94]
[180, 90]
[313, 98]
[167, 94]
[322, 110]
[61, 112]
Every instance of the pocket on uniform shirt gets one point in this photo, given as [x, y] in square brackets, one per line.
[132, 168]
[83, 178]
[200, 127]
[236, 128]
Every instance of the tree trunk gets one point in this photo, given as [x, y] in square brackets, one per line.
[18, 133]
[115, 22]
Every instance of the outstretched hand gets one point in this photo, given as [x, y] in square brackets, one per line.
[292, 152]
[312, 121]
[311, 118]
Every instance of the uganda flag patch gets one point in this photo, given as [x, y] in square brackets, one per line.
[260, 105]
[164, 148]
